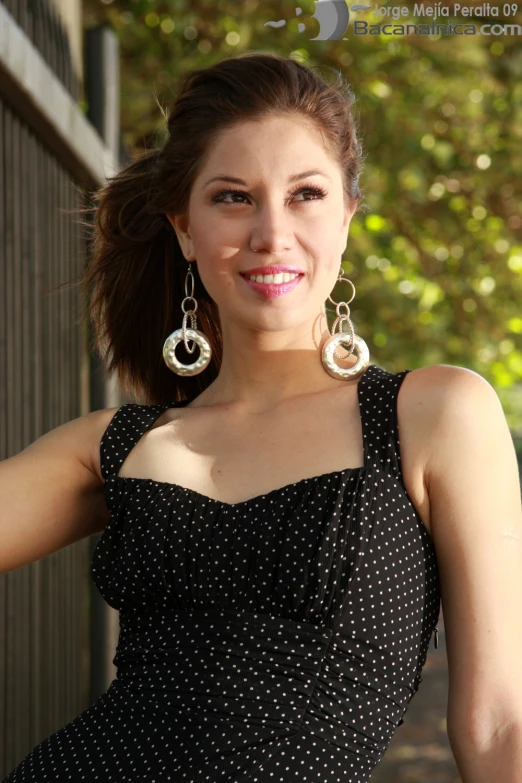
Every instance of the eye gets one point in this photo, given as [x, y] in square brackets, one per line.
[317, 192]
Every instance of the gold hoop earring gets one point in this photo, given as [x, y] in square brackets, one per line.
[197, 337]
[352, 340]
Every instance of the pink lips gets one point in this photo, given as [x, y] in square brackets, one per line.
[271, 290]
[273, 270]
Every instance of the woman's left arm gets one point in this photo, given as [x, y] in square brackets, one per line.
[474, 493]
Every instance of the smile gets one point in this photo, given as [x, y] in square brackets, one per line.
[281, 277]
[271, 286]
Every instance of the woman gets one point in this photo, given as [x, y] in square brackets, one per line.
[276, 554]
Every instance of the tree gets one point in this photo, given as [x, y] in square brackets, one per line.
[437, 257]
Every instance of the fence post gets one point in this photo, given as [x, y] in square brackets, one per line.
[102, 92]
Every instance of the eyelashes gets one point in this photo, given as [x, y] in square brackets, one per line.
[318, 193]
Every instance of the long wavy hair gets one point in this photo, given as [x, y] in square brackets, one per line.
[134, 282]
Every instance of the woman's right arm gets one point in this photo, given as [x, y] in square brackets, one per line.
[52, 492]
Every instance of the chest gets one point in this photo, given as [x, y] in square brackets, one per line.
[232, 459]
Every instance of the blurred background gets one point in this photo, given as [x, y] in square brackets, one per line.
[436, 260]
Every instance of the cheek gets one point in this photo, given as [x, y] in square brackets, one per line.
[215, 237]
[329, 251]
[214, 264]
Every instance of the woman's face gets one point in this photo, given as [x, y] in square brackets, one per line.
[274, 216]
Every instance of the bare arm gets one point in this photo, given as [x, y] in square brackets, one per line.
[51, 493]
[476, 517]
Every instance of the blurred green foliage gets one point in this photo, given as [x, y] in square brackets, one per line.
[437, 257]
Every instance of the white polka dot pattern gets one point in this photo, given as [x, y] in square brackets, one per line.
[278, 639]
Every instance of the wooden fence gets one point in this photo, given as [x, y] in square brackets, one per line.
[45, 369]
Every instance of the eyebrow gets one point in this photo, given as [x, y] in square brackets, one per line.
[237, 181]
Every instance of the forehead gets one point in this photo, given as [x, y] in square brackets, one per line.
[276, 145]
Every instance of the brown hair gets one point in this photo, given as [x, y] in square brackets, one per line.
[135, 281]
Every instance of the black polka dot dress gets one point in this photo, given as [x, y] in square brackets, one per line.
[274, 640]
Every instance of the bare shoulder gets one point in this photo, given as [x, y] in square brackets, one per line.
[443, 389]
[432, 406]
[437, 379]
[441, 399]
[78, 438]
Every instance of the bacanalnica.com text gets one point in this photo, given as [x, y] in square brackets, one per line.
[365, 28]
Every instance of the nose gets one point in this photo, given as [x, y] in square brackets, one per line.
[272, 229]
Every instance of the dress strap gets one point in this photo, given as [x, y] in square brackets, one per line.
[378, 393]
[126, 427]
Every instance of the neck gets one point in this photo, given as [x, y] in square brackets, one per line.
[261, 370]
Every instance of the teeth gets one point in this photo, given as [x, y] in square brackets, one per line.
[281, 277]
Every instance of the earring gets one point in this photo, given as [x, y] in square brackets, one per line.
[353, 340]
[169, 347]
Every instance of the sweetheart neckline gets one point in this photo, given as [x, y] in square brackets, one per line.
[189, 490]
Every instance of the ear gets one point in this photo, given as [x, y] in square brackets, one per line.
[348, 215]
[180, 225]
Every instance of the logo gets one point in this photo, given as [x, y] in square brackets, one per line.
[332, 15]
